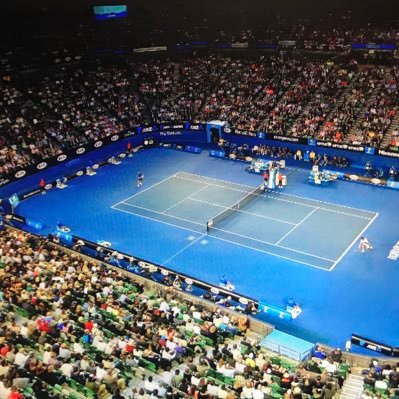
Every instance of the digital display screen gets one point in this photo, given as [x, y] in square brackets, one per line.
[102, 13]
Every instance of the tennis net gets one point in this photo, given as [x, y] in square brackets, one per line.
[219, 218]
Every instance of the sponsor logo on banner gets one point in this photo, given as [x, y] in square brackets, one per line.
[149, 49]
[20, 173]
[389, 153]
[339, 146]
[80, 150]
[115, 137]
[18, 218]
[98, 144]
[171, 133]
[95, 166]
[287, 43]
[48, 186]
[122, 155]
[286, 138]
[394, 252]
[32, 193]
[227, 130]
[195, 127]
[79, 173]
[354, 177]
[4, 181]
[41, 165]
[61, 157]
[376, 181]
[239, 45]
[147, 129]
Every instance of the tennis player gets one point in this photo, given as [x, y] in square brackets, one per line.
[265, 179]
[364, 245]
[140, 178]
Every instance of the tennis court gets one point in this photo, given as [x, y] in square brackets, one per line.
[305, 231]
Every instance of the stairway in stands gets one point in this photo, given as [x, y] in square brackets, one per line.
[353, 387]
[393, 128]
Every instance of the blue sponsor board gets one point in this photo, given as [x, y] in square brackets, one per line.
[312, 142]
[393, 184]
[216, 153]
[194, 150]
[275, 311]
[373, 46]
[369, 150]
[261, 135]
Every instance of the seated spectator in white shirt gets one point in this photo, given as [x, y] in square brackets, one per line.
[149, 384]
[100, 372]
[258, 393]
[164, 306]
[21, 357]
[67, 369]
[64, 352]
[222, 393]
[381, 384]
[212, 389]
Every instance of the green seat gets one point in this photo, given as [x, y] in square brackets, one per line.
[369, 387]
[276, 379]
[288, 366]
[219, 376]
[229, 381]
[57, 388]
[29, 391]
[89, 393]
[211, 373]
[152, 367]
[276, 360]
[275, 387]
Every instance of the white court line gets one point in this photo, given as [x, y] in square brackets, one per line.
[155, 220]
[272, 244]
[218, 185]
[183, 249]
[289, 232]
[186, 198]
[159, 213]
[241, 211]
[225, 231]
[353, 242]
[288, 195]
[148, 188]
[285, 200]
[223, 239]
[211, 178]
[326, 202]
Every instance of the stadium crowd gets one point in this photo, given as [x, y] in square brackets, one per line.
[344, 103]
[43, 118]
[71, 326]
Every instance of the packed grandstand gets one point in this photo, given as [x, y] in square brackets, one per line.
[343, 102]
[74, 327]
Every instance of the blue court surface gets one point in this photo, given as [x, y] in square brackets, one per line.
[299, 241]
